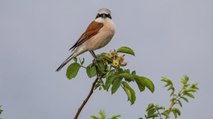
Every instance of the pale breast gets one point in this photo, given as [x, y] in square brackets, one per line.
[103, 37]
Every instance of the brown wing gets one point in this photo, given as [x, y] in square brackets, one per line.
[91, 30]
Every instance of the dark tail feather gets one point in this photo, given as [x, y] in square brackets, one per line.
[64, 63]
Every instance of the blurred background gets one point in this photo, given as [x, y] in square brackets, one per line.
[170, 38]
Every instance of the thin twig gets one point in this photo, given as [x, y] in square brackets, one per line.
[160, 116]
[87, 98]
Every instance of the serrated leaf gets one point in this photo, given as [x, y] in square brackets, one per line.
[146, 82]
[126, 50]
[130, 92]
[72, 70]
[116, 85]
[91, 71]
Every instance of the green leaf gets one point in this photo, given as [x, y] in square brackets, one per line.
[179, 102]
[171, 88]
[153, 115]
[140, 84]
[173, 99]
[126, 50]
[75, 59]
[194, 86]
[91, 71]
[116, 85]
[81, 61]
[94, 117]
[185, 99]
[101, 66]
[115, 117]
[189, 95]
[1, 109]
[130, 92]
[146, 82]
[185, 79]
[190, 90]
[167, 81]
[72, 70]
[105, 57]
[150, 106]
[127, 76]
[102, 114]
[133, 73]
[176, 112]
[109, 81]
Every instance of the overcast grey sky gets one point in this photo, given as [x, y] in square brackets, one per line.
[170, 38]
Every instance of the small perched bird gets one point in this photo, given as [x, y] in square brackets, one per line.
[97, 35]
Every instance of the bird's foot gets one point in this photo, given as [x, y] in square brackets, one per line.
[95, 60]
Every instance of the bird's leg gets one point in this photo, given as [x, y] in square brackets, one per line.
[93, 54]
[95, 57]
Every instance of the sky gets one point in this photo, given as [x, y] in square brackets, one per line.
[170, 38]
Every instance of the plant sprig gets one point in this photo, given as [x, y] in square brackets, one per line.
[111, 67]
[187, 91]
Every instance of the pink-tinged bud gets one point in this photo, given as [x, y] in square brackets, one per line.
[123, 63]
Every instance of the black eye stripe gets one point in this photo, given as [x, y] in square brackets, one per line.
[104, 15]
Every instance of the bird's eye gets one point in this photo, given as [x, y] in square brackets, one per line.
[103, 16]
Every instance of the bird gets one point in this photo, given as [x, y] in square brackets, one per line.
[97, 35]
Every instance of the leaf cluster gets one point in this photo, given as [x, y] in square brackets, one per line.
[102, 115]
[187, 91]
[110, 68]
[1, 110]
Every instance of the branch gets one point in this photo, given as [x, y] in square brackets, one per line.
[87, 98]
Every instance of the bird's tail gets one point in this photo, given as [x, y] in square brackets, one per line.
[65, 62]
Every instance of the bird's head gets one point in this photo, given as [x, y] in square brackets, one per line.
[104, 13]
